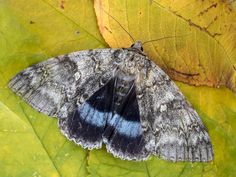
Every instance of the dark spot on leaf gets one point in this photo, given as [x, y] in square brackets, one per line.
[201, 28]
[107, 29]
[234, 66]
[211, 22]
[32, 22]
[214, 5]
[62, 5]
[185, 74]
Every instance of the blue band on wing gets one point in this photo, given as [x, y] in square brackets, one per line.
[92, 115]
[100, 119]
[83, 131]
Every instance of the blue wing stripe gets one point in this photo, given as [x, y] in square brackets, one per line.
[97, 118]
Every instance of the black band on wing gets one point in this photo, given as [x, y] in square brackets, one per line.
[102, 99]
[130, 110]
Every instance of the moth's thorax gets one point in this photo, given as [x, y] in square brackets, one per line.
[138, 45]
[123, 85]
[131, 61]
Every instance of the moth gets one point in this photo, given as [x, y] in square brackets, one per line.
[118, 97]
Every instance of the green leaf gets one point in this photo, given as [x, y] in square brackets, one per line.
[32, 31]
[21, 152]
[31, 143]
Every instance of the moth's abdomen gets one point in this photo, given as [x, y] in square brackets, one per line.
[123, 86]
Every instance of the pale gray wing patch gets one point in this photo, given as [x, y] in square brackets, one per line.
[172, 128]
[62, 81]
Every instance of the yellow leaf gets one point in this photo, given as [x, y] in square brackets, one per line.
[199, 37]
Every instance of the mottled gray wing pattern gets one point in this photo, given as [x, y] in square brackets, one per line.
[172, 128]
[54, 86]
[119, 97]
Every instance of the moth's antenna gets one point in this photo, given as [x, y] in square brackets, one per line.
[158, 39]
[120, 25]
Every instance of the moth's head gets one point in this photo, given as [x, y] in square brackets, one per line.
[137, 45]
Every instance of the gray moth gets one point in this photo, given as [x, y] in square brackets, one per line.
[118, 97]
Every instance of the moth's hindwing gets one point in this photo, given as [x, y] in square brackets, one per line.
[110, 115]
